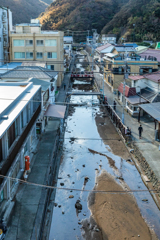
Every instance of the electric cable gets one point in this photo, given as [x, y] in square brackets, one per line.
[79, 190]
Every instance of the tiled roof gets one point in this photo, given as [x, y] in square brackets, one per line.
[23, 72]
[129, 91]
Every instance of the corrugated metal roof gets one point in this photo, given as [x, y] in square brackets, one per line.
[136, 77]
[108, 50]
[153, 76]
[99, 49]
[135, 100]
[152, 53]
[129, 91]
[153, 109]
[148, 94]
[123, 48]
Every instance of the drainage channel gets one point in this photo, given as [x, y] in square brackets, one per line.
[94, 158]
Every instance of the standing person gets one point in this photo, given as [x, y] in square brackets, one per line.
[64, 86]
[114, 105]
[140, 129]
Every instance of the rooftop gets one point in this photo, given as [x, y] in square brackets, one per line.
[129, 91]
[152, 76]
[44, 85]
[25, 72]
[14, 97]
[107, 47]
[153, 109]
[151, 53]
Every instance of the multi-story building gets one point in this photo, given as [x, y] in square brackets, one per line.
[5, 27]
[109, 38]
[114, 67]
[20, 107]
[30, 43]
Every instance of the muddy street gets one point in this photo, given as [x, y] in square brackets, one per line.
[95, 158]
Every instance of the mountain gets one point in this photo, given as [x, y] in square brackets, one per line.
[24, 10]
[80, 15]
[137, 20]
[133, 20]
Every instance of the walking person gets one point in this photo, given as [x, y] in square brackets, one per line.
[114, 105]
[140, 129]
[64, 86]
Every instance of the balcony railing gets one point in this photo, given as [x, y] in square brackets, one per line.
[8, 162]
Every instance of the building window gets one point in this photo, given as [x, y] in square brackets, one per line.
[52, 55]
[11, 135]
[22, 121]
[39, 42]
[144, 70]
[18, 55]
[51, 67]
[39, 55]
[18, 43]
[51, 43]
[16, 128]
[29, 42]
[29, 54]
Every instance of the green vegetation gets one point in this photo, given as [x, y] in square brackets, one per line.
[145, 14]
[80, 14]
[133, 20]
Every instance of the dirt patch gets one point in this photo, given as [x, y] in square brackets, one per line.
[110, 136]
[116, 216]
[110, 160]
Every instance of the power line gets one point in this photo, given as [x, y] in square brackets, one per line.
[79, 190]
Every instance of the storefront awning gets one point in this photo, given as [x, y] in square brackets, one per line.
[153, 109]
[57, 111]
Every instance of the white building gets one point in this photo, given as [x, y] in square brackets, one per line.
[48, 97]
[20, 107]
[109, 38]
[68, 41]
[5, 27]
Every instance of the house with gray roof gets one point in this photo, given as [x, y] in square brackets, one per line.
[23, 73]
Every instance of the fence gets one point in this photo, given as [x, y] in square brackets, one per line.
[116, 119]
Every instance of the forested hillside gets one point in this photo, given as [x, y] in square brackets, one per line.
[24, 10]
[131, 19]
[137, 20]
[80, 14]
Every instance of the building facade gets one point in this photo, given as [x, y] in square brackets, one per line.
[5, 27]
[30, 43]
[114, 68]
[20, 107]
[109, 38]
